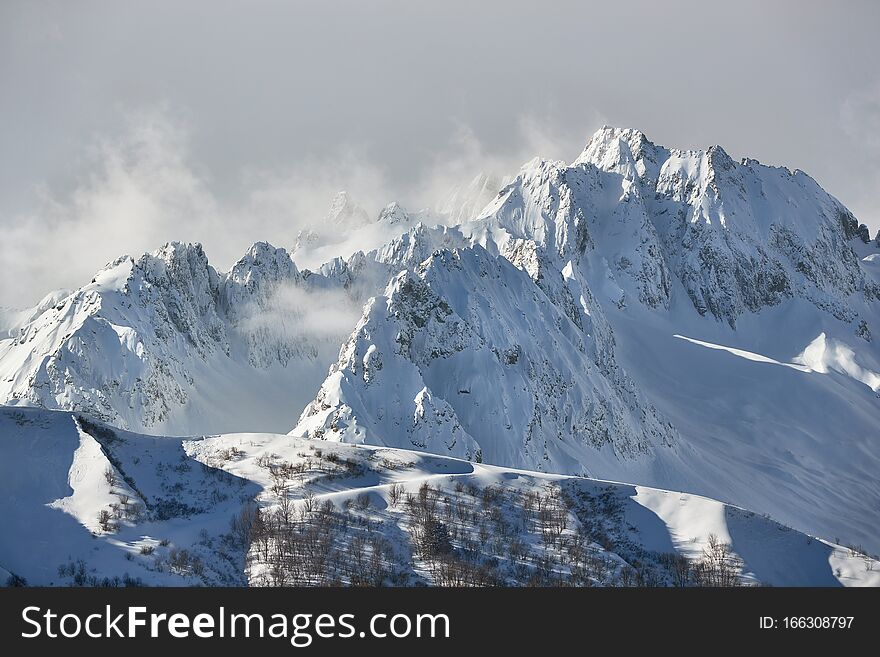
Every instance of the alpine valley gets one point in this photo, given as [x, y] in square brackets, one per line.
[447, 396]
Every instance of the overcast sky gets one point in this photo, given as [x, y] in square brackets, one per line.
[125, 125]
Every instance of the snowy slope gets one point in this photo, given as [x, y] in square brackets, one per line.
[12, 319]
[55, 483]
[176, 497]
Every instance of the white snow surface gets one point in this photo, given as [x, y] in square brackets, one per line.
[53, 485]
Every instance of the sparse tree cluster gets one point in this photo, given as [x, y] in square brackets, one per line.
[316, 545]
[126, 509]
[310, 542]
[455, 534]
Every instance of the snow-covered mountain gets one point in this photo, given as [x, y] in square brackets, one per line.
[365, 273]
[165, 343]
[738, 237]
[466, 356]
[647, 314]
[85, 504]
[343, 215]
[731, 303]
[332, 241]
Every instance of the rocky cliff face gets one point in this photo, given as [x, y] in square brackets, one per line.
[740, 236]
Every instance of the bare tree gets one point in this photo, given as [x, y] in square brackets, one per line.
[308, 500]
[720, 565]
[244, 524]
[363, 501]
[681, 570]
[105, 521]
[395, 494]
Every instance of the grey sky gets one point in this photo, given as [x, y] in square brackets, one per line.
[128, 124]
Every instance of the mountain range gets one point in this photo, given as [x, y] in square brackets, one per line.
[672, 318]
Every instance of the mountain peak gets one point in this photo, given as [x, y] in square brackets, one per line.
[623, 150]
[174, 249]
[345, 212]
[607, 134]
[719, 159]
[413, 372]
[613, 132]
[394, 214]
[263, 257]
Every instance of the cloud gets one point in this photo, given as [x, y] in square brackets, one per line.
[143, 188]
[316, 320]
[140, 191]
[468, 156]
[281, 202]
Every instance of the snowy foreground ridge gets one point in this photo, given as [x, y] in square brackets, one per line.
[643, 314]
[86, 504]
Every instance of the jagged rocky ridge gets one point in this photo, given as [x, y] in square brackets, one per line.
[644, 245]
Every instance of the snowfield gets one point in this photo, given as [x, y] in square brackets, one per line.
[208, 511]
